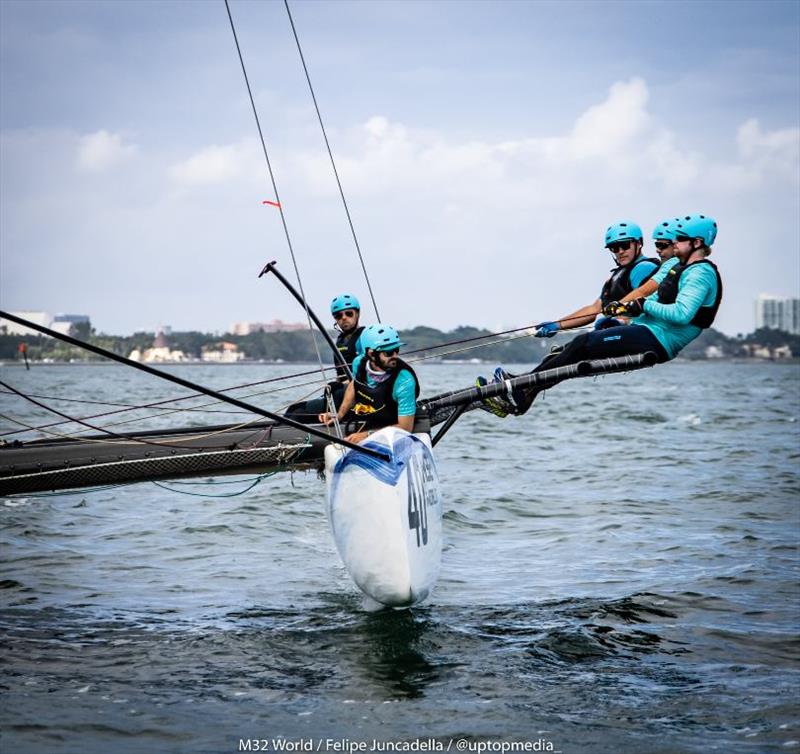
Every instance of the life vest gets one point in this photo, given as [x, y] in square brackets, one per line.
[668, 293]
[619, 284]
[376, 406]
[346, 345]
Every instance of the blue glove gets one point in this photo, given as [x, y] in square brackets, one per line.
[547, 329]
[605, 322]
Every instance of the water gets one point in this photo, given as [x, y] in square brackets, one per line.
[620, 574]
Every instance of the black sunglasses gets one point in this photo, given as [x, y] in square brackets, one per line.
[390, 351]
[619, 246]
[663, 244]
[345, 313]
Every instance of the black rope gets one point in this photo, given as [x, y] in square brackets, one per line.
[86, 424]
[166, 401]
[272, 177]
[333, 162]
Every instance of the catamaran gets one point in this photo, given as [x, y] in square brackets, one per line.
[383, 496]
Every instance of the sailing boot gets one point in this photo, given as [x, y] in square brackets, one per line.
[497, 405]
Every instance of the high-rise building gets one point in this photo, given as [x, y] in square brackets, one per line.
[778, 313]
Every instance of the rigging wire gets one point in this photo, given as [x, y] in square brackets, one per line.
[333, 162]
[430, 352]
[274, 187]
[178, 399]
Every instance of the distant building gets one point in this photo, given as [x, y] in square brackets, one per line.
[222, 353]
[66, 323]
[159, 353]
[778, 313]
[12, 328]
[63, 323]
[277, 325]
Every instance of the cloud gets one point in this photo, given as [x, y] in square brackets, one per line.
[215, 165]
[774, 152]
[101, 151]
[615, 148]
[521, 219]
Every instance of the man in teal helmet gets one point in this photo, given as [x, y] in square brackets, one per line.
[384, 389]
[624, 240]
[685, 303]
[346, 312]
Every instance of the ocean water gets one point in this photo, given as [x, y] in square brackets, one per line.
[620, 574]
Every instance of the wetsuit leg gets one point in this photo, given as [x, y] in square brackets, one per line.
[307, 412]
[625, 340]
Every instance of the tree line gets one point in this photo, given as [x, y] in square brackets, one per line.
[298, 346]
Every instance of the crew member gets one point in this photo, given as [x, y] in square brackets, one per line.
[384, 389]
[624, 240]
[346, 312]
[664, 241]
[685, 303]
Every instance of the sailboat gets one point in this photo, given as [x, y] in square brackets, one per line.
[383, 496]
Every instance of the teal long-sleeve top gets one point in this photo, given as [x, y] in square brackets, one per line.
[671, 323]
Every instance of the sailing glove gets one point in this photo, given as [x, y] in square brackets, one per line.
[547, 329]
[629, 308]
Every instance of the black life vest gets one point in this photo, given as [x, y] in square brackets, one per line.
[668, 292]
[376, 406]
[619, 284]
[346, 345]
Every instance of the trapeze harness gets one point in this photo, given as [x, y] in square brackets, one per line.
[619, 284]
[668, 292]
[376, 406]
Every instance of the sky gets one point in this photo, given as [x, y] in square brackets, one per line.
[483, 148]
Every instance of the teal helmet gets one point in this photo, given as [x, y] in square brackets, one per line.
[623, 231]
[697, 226]
[380, 338]
[665, 231]
[345, 301]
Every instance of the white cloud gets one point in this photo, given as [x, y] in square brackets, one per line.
[214, 164]
[101, 151]
[522, 219]
[771, 152]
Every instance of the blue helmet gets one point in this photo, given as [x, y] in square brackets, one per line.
[665, 230]
[380, 338]
[345, 301]
[697, 226]
[623, 231]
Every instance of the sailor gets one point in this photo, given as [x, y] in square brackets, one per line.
[624, 240]
[664, 242]
[384, 389]
[346, 312]
[685, 303]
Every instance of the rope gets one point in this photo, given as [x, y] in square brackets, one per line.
[333, 163]
[275, 189]
[185, 398]
[252, 483]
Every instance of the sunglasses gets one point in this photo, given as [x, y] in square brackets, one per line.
[661, 245]
[678, 239]
[390, 351]
[619, 246]
[350, 313]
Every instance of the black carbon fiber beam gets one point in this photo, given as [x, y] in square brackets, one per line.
[545, 378]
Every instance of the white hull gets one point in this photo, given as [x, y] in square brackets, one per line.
[386, 516]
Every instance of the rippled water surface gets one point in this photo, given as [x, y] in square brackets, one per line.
[620, 574]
